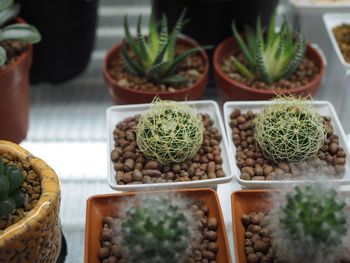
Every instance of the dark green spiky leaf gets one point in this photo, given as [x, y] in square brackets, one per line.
[173, 65]
[160, 56]
[22, 32]
[9, 13]
[19, 197]
[174, 80]
[142, 44]
[153, 36]
[163, 39]
[130, 64]
[260, 62]
[4, 186]
[129, 38]
[271, 31]
[156, 70]
[173, 35]
[298, 55]
[243, 69]
[251, 40]
[7, 206]
[14, 176]
[249, 56]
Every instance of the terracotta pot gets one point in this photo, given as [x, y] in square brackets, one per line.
[14, 97]
[122, 95]
[234, 90]
[245, 202]
[37, 237]
[99, 206]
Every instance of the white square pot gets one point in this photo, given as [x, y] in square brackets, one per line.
[116, 114]
[308, 16]
[338, 79]
[323, 107]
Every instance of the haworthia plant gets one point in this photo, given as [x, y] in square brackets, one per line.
[153, 56]
[19, 32]
[11, 196]
[270, 55]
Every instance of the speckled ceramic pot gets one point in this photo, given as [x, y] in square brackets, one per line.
[37, 237]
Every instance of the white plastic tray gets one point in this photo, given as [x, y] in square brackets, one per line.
[308, 16]
[323, 107]
[331, 20]
[116, 114]
[338, 76]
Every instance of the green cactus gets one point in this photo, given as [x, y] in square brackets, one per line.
[19, 32]
[154, 56]
[160, 229]
[273, 57]
[312, 224]
[170, 132]
[289, 130]
[11, 196]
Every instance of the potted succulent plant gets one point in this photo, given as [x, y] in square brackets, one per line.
[30, 229]
[15, 60]
[286, 139]
[306, 224]
[181, 226]
[258, 65]
[164, 64]
[166, 144]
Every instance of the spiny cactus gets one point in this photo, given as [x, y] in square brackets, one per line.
[289, 130]
[311, 225]
[19, 32]
[153, 57]
[159, 229]
[170, 132]
[270, 55]
[11, 196]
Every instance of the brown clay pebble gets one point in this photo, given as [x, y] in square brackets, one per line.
[252, 258]
[212, 223]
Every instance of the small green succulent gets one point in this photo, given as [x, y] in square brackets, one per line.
[312, 224]
[289, 130]
[19, 32]
[11, 196]
[170, 132]
[158, 230]
[153, 57]
[270, 55]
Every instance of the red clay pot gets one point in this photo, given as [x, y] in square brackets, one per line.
[234, 90]
[14, 97]
[99, 206]
[122, 95]
[245, 202]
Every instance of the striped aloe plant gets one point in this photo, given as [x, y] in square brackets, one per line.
[20, 32]
[270, 55]
[153, 56]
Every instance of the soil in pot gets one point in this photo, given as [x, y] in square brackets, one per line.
[192, 69]
[132, 167]
[31, 186]
[329, 161]
[342, 36]
[203, 251]
[304, 74]
[14, 49]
